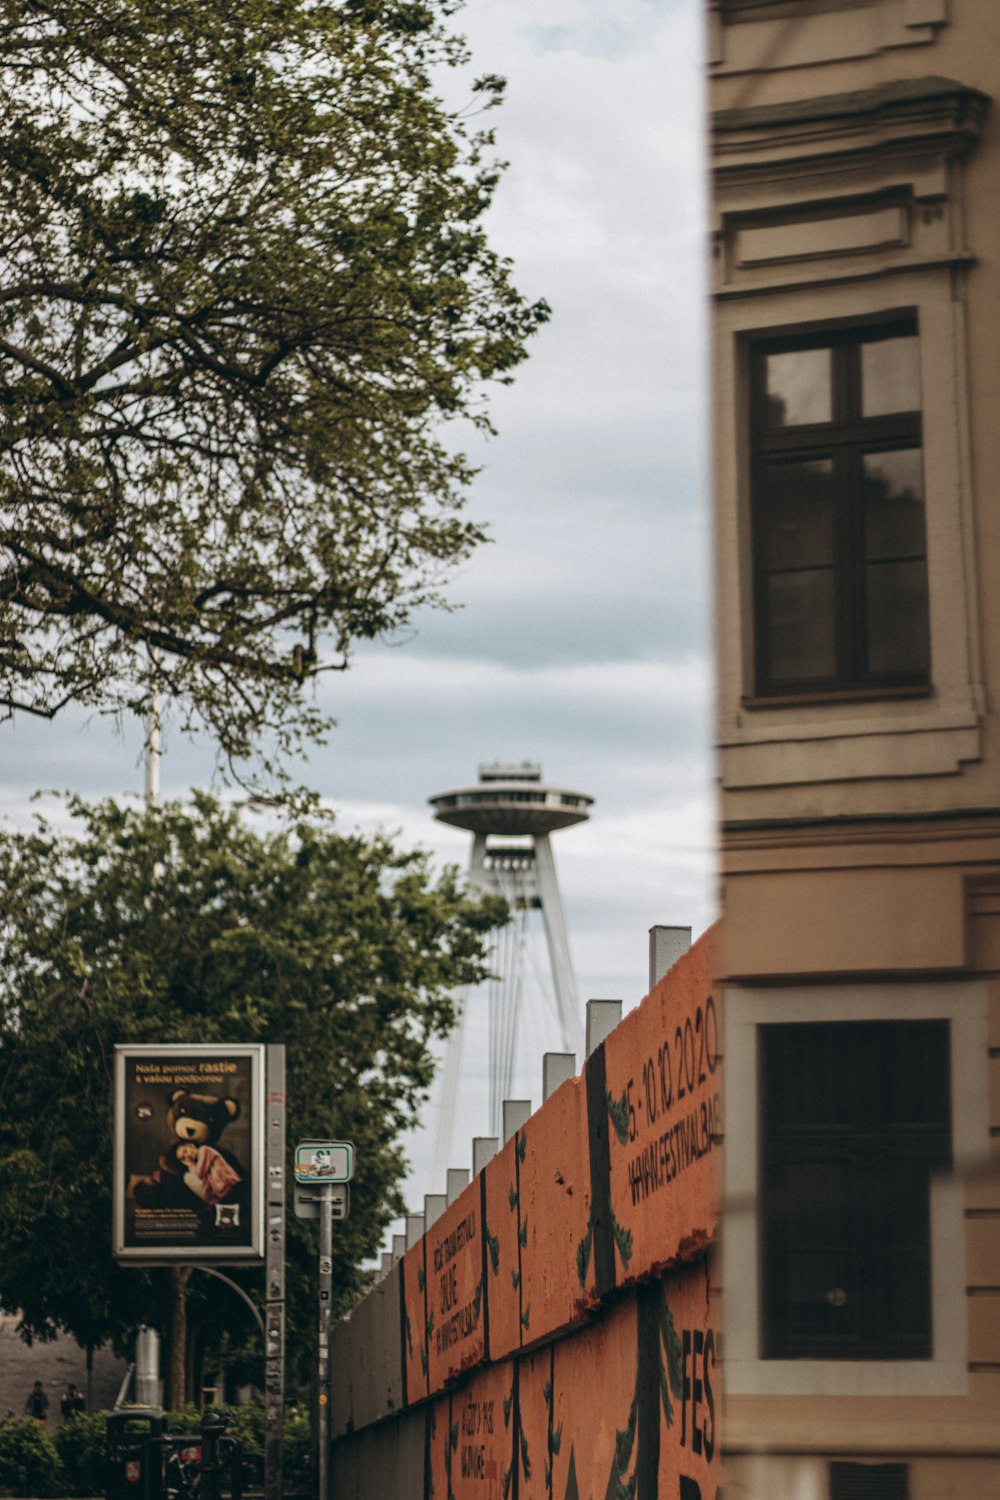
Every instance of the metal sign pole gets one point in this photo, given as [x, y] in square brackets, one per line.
[325, 1286]
[274, 1275]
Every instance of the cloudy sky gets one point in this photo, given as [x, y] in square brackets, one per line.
[582, 640]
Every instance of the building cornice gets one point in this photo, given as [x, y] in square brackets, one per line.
[903, 97]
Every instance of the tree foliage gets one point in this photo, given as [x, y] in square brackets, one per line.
[187, 925]
[29, 1461]
[244, 280]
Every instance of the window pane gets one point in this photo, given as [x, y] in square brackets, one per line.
[894, 504]
[811, 1239]
[810, 1071]
[801, 626]
[798, 388]
[851, 1481]
[819, 1212]
[904, 1194]
[916, 1076]
[908, 1303]
[897, 619]
[799, 501]
[890, 376]
[819, 1304]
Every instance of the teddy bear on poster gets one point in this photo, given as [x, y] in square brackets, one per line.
[195, 1171]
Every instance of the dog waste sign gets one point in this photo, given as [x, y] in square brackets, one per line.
[306, 1201]
[320, 1162]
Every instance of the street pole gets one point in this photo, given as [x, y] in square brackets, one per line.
[325, 1286]
[154, 750]
[274, 1275]
[147, 1343]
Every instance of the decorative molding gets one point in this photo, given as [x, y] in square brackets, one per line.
[925, 13]
[766, 36]
[904, 99]
[886, 757]
[878, 227]
[868, 176]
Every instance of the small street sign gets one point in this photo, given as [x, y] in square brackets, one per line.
[307, 1201]
[319, 1162]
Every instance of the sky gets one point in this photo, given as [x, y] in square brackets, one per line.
[581, 639]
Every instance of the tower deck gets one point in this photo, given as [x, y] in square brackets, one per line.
[511, 800]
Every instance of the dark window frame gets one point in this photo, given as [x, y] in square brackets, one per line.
[880, 1153]
[844, 441]
[869, 1481]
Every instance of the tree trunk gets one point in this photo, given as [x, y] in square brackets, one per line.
[179, 1278]
[196, 1362]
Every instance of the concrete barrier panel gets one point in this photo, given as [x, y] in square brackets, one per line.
[553, 1185]
[342, 1355]
[484, 1434]
[636, 1397]
[376, 1354]
[663, 1087]
[388, 1370]
[503, 1250]
[352, 1344]
[689, 1445]
[439, 1449]
[456, 1315]
[534, 1410]
[346, 1467]
[594, 1407]
[394, 1463]
[362, 1354]
[413, 1282]
[387, 1459]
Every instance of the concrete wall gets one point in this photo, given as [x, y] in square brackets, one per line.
[553, 1332]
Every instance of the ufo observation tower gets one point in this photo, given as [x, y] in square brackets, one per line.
[512, 815]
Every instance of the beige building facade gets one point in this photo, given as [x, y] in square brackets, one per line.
[855, 153]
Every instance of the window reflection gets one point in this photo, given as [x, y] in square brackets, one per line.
[895, 584]
[802, 638]
[897, 619]
[894, 504]
[890, 376]
[800, 513]
[799, 388]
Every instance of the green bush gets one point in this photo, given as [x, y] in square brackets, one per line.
[76, 1458]
[298, 1447]
[81, 1442]
[247, 1424]
[29, 1463]
[35, 1463]
[183, 1418]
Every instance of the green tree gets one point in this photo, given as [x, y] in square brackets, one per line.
[187, 925]
[244, 281]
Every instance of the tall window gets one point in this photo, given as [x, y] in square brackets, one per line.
[840, 569]
[855, 1117]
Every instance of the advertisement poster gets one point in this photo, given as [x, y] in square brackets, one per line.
[189, 1153]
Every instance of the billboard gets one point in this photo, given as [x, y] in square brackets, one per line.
[189, 1153]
